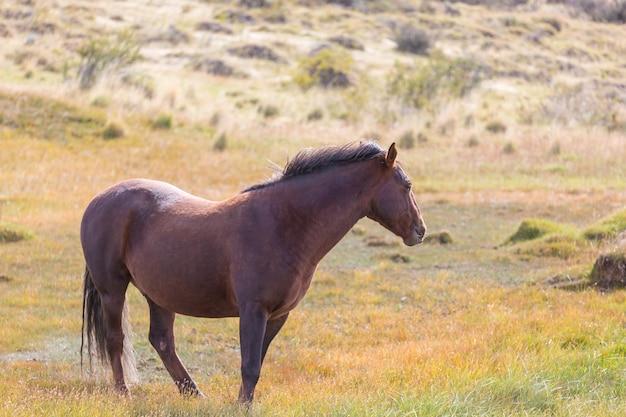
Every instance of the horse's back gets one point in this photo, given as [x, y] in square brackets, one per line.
[112, 214]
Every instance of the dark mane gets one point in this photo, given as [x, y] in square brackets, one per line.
[311, 160]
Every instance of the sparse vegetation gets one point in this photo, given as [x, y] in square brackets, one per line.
[495, 127]
[10, 233]
[439, 78]
[100, 54]
[268, 111]
[328, 68]
[315, 114]
[256, 52]
[112, 131]
[508, 149]
[442, 238]
[221, 143]
[407, 140]
[163, 122]
[411, 39]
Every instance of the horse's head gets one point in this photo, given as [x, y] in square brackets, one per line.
[393, 204]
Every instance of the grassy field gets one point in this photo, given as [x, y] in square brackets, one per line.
[511, 123]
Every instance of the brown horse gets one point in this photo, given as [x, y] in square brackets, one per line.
[251, 256]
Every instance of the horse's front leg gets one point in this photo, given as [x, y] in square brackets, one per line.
[252, 324]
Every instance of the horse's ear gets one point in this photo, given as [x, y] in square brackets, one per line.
[391, 155]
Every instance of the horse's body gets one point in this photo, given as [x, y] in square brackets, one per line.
[251, 256]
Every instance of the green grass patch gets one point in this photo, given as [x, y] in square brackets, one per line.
[607, 227]
[564, 246]
[12, 233]
[45, 118]
[535, 228]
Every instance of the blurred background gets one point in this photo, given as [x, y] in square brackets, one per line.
[510, 118]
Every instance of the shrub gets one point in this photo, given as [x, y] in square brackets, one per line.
[442, 238]
[316, 114]
[215, 67]
[221, 143]
[472, 142]
[328, 68]
[163, 121]
[256, 52]
[112, 131]
[100, 54]
[407, 140]
[509, 148]
[555, 149]
[411, 39]
[10, 233]
[533, 228]
[268, 111]
[347, 42]
[495, 127]
[600, 10]
[607, 228]
[438, 78]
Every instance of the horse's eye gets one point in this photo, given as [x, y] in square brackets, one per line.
[407, 186]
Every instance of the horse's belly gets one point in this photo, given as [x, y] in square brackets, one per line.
[203, 297]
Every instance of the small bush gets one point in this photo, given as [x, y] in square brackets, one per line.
[268, 111]
[10, 233]
[221, 143]
[472, 142]
[607, 228]
[555, 149]
[441, 238]
[347, 42]
[316, 114]
[439, 78]
[256, 52]
[215, 119]
[215, 67]
[163, 121]
[407, 140]
[495, 127]
[422, 138]
[101, 102]
[328, 68]
[410, 39]
[100, 54]
[112, 131]
[533, 228]
[508, 149]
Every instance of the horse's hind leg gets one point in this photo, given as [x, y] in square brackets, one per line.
[112, 308]
[162, 339]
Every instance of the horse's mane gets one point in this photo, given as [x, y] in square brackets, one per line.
[312, 160]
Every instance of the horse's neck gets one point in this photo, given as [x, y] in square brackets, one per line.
[327, 204]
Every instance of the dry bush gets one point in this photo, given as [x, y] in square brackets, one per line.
[611, 11]
[439, 78]
[252, 51]
[100, 54]
[328, 68]
[410, 39]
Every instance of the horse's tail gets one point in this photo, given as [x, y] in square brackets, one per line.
[94, 331]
